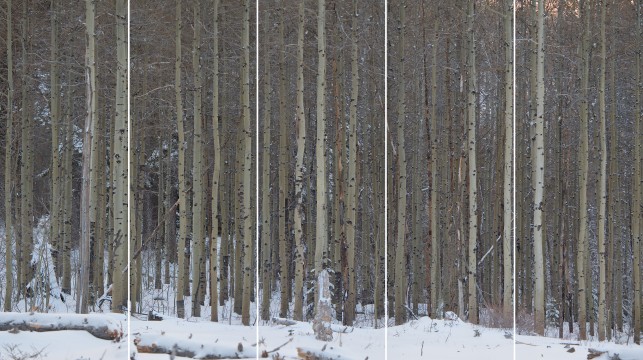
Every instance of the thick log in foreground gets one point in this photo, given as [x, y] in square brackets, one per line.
[100, 326]
[164, 344]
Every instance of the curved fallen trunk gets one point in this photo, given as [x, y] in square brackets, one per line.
[100, 326]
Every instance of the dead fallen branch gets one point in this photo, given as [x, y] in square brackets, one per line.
[100, 326]
[163, 344]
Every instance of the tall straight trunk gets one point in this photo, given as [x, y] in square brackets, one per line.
[472, 182]
[300, 131]
[351, 213]
[56, 205]
[8, 165]
[266, 268]
[602, 282]
[26, 165]
[67, 192]
[432, 134]
[183, 190]
[284, 278]
[321, 228]
[613, 271]
[400, 247]
[86, 211]
[248, 255]
[508, 165]
[121, 128]
[198, 235]
[95, 246]
[583, 154]
[538, 151]
[216, 174]
[637, 187]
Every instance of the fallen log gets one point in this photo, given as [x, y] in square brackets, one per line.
[100, 326]
[164, 344]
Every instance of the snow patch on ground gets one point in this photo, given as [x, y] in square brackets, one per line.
[453, 339]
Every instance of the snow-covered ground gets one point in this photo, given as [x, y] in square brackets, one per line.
[446, 339]
[621, 347]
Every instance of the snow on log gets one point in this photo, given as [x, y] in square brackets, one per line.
[326, 353]
[164, 344]
[100, 326]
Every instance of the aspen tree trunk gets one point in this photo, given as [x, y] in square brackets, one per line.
[198, 236]
[110, 201]
[472, 183]
[400, 248]
[95, 244]
[339, 218]
[88, 148]
[284, 278]
[183, 190]
[351, 213]
[8, 164]
[321, 229]
[26, 166]
[508, 165]
[216, 175]
[101, 204]
[582, 178]
[248, 254]
[67, 193]
[538, 150]
[613, 271]
[300, 131]
[265, 184]
[637, 233]
[602, 282]
[434, 211]
[120, 198]
[55, 227]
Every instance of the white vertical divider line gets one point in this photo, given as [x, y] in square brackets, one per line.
[513, 167]
[129, 193]
[257, 173]
[385, 179]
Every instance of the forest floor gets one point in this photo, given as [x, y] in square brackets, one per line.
[539, 347]
[448, 339]
[569, 347]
